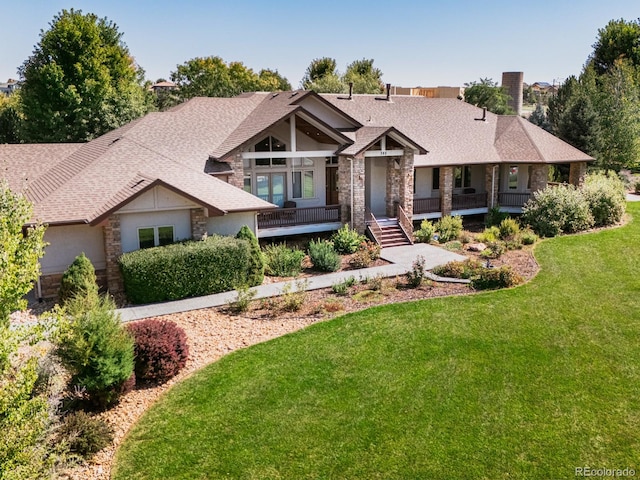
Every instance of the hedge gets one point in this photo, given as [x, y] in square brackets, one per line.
[188, 269]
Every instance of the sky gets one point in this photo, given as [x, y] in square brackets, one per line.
[415, 43]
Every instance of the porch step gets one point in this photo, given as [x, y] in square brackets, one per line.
[392, 234]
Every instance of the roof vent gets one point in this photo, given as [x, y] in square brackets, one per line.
[484, 115]
[350, 90]
[274, 95]
[293, 94]
[388, 92]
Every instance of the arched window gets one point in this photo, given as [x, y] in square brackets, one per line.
[270, 144]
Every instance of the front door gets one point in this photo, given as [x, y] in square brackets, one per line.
[271, 187]
[332, 186]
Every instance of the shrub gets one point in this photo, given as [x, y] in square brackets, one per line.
[556, 210]
[323, 256]
[416, 275]
[376, 283]
[84, 434]
[636, 188]
[78, 279]
[186, 269]
[528, 237]
[373, 249]
[456, 269]
[161, 349]
[606, 197]
[492, 278]
[424, 234]
[347, 241]
[454, 246]
[293, 300]
[449, 228]
[465, 238]
[255, 274]
[341, 288]
[282, 261]
[360, 259]
[490, 234]
[95, 348]
[509, 228]
[493, 250]
[244, 295]
[495, 217]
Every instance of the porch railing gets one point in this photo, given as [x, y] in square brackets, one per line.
[289, 217]
[405, 224]
[513, 199]
[468, 200]
[426, 205]
[374, 226]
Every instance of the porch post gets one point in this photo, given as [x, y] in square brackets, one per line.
[198, 223]
[492, 183]
[112, 251]
[446, 190]
[237, 166]
[539, 177]
[577, 172]
[351, 169]
[393, 187]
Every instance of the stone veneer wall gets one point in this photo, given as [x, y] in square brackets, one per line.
[50, 284]
[237, 165]
[446, 190]
[539, 177]
[393, 188]
[113, 250]
[344, 191]
[577, 172]
[198, 223]
[491, 181]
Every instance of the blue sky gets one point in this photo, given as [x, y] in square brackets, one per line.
[426, 43]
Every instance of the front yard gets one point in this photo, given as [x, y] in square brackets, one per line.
[530, 382]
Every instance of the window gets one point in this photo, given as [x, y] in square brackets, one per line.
[303, 186]
[530, 174]
[270, 144]
[513, 177]
[462, 177]
[155, 236]
[435, 179]
[247, 184]
[271, 187]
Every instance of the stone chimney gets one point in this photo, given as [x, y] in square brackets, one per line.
[513, 83]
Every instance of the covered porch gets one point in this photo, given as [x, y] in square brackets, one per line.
[294, 221]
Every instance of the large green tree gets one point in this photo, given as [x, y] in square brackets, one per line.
[80, 82]
[364, 76]
[20, 251]
[10, 119]
[486, 93]
[618, 40]
[213, 77]
[322, 76]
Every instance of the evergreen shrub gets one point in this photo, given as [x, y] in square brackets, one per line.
[78, 279]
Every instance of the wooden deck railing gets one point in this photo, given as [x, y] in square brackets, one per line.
[374, 226]
[468, 200]
[513, 199]
[289, 217]
[426, 205]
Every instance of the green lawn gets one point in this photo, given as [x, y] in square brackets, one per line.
[523, 383]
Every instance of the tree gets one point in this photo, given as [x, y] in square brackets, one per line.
[322, 76]
[365, 78]
[10, 119]
[80, 82]
[486, 93]
[618, 40]
[579, 125]
[539, 117]
[20, 251]
[212, 77]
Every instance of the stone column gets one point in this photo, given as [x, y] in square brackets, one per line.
[393, 187]
[237, 166]
[577, 172]
[113, 251]
[344, 191]
[446, 190]
[492, 183]
[344, 188]
[407, 171]
[359, 220]
[198, 223]
[539, 177]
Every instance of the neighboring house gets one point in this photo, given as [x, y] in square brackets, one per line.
[430, 92]
[163, 86]
[283, 163]
[9, 87]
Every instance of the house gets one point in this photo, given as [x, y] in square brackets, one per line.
[283, 163]
[9, 87]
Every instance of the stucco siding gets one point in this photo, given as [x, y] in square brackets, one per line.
[230, 224]
[131, 222]
[67, 242]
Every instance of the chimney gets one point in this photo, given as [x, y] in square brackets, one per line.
[513, 83]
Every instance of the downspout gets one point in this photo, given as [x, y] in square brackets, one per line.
[351, 209]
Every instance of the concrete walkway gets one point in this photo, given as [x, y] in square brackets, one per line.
[401, 259]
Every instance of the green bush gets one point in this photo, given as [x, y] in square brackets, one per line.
[187, 269]
[282, 261]
[293, 300]
[424, 234]
[636, 188]
[78, 279]
[459, 269]
[416, 275]
[556, 210]
[244, 296]
[528, 237]
[495, 217]
[341, 288]
[324, 257]
[347, 241]
[490, 234]
[492, 278]
[606, 196]
[256, 259]
[448, 228]
[509, 228]
[95, 348]
[494, 250]
[84, 434]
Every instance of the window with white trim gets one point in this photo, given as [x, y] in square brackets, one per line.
[462, 177]
[302, 178]
[155, 236]
[270, 144]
